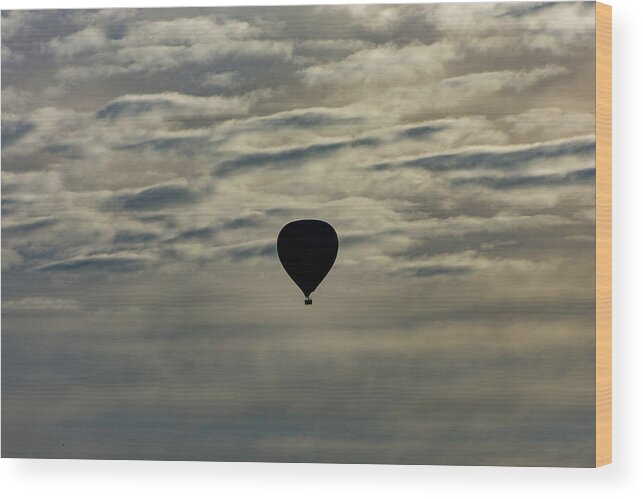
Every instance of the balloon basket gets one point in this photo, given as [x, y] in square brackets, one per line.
[308, 301]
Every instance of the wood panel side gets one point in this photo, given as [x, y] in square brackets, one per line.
[603, 234]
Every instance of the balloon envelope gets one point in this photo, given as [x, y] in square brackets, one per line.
[307, 250]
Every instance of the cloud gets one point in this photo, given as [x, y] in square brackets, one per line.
[437, 270]
[480, 84]
[251, 250]
[227, 79]
[198, 233]
[551, 123]
[154, 198]
[420, 132]
[131, 106]
[409, 64]
[87, 41]
[10, 258]
[13, 131]
[285, 157]
[310, 118]
[40, 304]
[25, 228]
[154, 46]
[17, 23]
[375, 18]
[534, 21]
[124, 237]
[120, 262]
[574, 178]
[502, 158]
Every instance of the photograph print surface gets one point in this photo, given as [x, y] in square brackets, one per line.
[151, 158]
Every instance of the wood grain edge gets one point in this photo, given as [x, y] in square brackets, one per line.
[603, 234]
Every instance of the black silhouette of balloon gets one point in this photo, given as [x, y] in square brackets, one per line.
[307, 250]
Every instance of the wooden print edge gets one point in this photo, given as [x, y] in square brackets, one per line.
[603, 234]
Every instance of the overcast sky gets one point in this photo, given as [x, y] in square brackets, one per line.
[150, 158]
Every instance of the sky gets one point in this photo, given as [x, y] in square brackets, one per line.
[150, 158]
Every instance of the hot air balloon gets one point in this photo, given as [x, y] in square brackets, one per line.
[307, 250]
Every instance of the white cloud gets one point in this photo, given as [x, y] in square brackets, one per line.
[175, 105]
[551, 123]
[10, 258]
[86, 41]
[384, 65]
[228, 79]
[41, 304]
[156, 46]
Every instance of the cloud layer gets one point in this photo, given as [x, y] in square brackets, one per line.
[150, 157]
